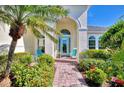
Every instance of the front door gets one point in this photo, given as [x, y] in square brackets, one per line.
[64, 46]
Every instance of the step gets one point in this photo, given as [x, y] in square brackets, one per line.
[66, 60]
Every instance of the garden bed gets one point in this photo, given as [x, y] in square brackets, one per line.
[98, 69]
[25, 72]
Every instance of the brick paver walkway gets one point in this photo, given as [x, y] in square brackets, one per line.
[67, 75]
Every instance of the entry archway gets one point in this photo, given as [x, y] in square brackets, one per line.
[68, 28]
[64, 42]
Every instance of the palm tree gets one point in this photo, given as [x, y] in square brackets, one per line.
[21, 18]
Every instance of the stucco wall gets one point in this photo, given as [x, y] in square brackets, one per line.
[30, 42]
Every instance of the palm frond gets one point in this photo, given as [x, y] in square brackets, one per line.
[34, 16]
[39, 23]
[36, 32]
[51, 37]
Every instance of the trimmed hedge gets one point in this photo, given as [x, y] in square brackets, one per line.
[97, 54]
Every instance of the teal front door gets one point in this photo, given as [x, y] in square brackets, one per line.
[64, 46]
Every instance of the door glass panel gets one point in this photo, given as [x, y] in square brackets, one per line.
[64, 45]
[64, 48]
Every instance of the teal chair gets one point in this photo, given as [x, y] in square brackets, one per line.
[39, 52]
[73, 53]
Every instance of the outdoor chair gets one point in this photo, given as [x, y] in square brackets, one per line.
[73, 53]
[37, 54]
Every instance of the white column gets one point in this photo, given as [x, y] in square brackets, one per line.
[49, 46]
[97, 43]
[83, 42]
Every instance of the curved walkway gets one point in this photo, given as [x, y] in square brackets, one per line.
[67, 75]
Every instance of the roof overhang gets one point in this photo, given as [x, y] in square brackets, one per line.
[75, 11]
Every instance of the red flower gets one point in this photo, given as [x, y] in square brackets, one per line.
[119, 82]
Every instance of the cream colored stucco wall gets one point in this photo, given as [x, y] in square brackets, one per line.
[30, 42]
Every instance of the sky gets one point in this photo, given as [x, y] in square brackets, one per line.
[104, 15]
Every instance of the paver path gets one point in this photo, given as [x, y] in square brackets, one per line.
[67, 75]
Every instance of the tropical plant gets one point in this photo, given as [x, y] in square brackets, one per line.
[38, 75]
[86, 64]
[98, 76]
[27, 17]
[114, 36]
[46, 59]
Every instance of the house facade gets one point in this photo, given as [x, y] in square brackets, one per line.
[75, 34]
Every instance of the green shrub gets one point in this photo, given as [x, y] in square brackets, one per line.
[118, 63]
[120, 75]
[19, 55]
[118, 56]
[97, 76]
[47, 58]
[39, 75]
[26, 59]
[3, 59]
[85, 64]
[97, 54]
[36, 76]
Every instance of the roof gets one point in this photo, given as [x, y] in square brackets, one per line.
[97, 28]
[75, 11]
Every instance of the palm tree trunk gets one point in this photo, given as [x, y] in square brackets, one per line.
[10, 57]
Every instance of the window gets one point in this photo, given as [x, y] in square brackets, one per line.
[65, 32]
[92, 42]
[41, 44]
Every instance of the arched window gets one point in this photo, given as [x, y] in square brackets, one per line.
[65, 32]
[92, 42]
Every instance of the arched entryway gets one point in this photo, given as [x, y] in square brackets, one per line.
[68, 38]
[64, 42]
